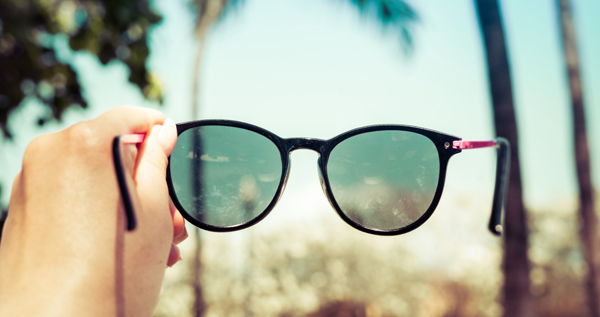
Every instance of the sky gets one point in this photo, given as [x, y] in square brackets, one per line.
[317, 68]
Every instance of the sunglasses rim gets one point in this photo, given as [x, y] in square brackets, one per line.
[182, 127]
[441, 141]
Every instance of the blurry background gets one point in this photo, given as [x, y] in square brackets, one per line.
[317, 68]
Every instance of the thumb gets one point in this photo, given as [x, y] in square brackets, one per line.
[154, 155]
[148, 247]
[168, 136]
[150, 176]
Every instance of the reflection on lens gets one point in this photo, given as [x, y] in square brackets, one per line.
[384, 180]
[224, 176]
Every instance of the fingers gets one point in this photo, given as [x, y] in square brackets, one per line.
[179, 230]
[128, 119]
[95, 136]
[151, 185]
[160, 143]
[179, 234]
[174, 255]
[153, 158]
[168, 136]
[150, 178]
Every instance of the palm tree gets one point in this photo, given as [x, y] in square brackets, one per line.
[209, 12]
[517, 299]
[587, 214]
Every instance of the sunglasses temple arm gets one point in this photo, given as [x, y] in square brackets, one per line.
[500, 189]
[120, 171]
[502, 172]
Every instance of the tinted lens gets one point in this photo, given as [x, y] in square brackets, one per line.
[225, 176]
[384, 180]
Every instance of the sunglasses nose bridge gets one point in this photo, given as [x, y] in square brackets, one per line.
[305, 144]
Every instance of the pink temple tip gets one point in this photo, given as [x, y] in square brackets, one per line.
[133, 138]
[465, 145]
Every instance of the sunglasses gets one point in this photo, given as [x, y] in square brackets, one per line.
[382, 179]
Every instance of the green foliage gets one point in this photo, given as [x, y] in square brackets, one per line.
[391, 14]
[110, 30]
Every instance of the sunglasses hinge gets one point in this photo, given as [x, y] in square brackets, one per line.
[465, 145]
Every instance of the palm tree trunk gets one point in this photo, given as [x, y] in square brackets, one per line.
[517, 300]
[196, 78]
[206, 19]
[212, 11]
[587, 214]
[199, 306]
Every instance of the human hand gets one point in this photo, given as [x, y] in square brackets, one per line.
[62, 247]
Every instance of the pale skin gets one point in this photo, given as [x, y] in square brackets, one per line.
[64, 238]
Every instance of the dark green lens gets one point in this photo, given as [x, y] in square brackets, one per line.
[224, 176]
[384, 180]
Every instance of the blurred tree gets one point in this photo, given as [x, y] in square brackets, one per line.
[344, 309]
[29, 63]
[517, 299]
[587, 213]
[558, 274]
[208, 13]
[110, 30]
[391, 14]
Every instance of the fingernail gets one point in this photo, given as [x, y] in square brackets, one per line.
[167, 136]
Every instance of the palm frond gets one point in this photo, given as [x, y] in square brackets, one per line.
[391, 14]
[228, 7]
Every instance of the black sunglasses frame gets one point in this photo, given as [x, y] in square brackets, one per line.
[117, 151]
[444, 143]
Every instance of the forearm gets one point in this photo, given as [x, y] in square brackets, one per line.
[57, 292]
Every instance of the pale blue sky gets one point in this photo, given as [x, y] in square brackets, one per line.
[317, 68]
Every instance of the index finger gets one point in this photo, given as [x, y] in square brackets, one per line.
[129, 119]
